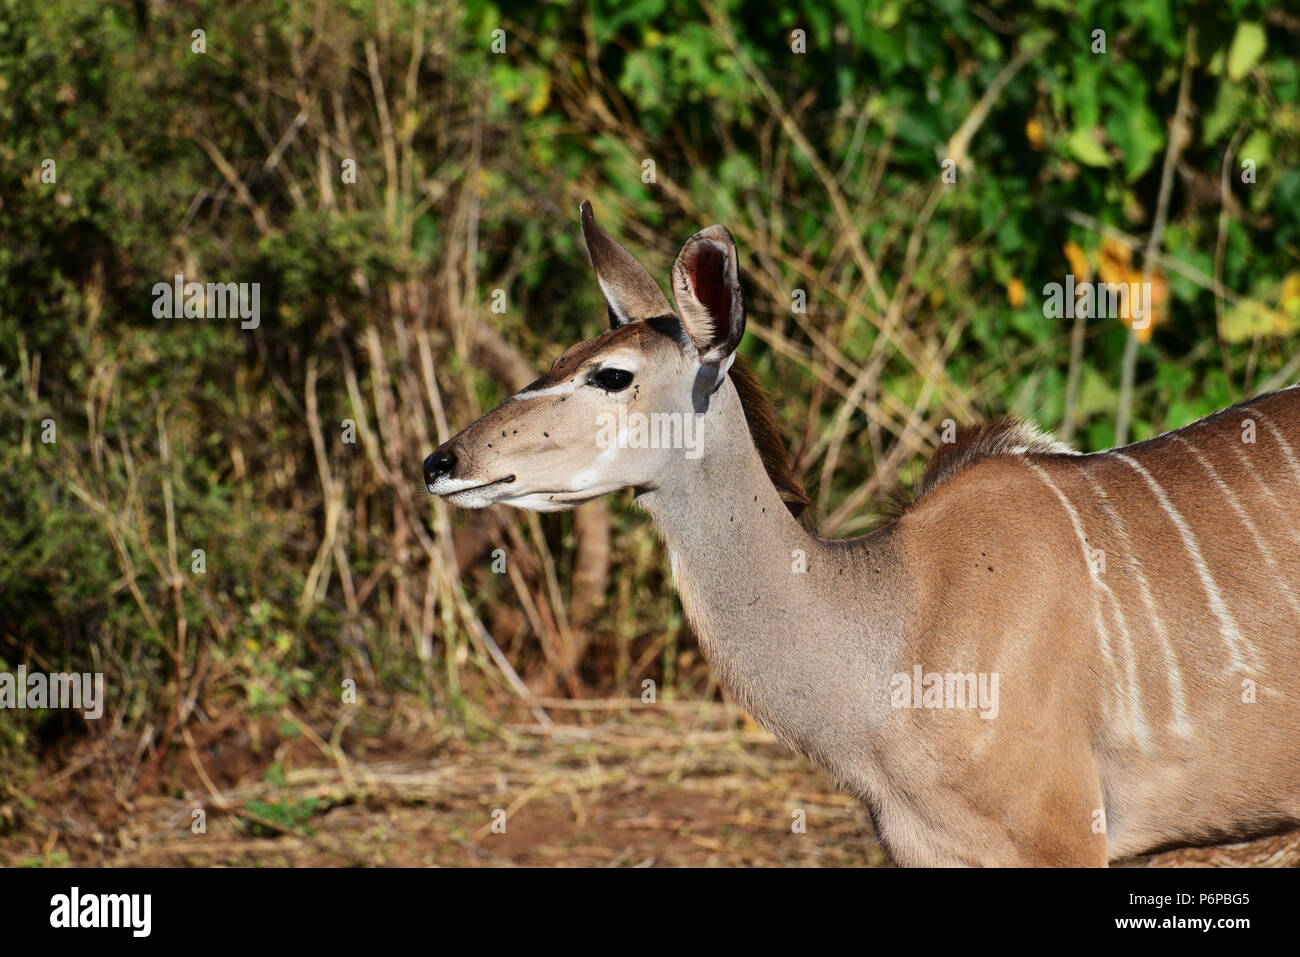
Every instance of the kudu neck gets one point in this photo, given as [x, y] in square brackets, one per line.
[778, 611]
[723, 503]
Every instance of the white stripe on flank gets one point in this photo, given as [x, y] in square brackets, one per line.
[1245, 520]
[1286, 449]
[1137, 721]
[1227, 626]
[1178, 699]
[1269, 494]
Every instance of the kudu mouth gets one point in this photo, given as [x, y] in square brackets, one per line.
[475, 491]
[438, 469]
[467, 493]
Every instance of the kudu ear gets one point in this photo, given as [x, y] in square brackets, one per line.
[706, 285]
[630, 292]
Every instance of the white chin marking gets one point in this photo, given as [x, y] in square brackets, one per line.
[551, 501]
[450, 486]
[469, 493]
[537, 503]
[471, 499]
[465, 493]
[531, 502]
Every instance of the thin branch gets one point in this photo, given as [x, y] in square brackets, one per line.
[1179, 134]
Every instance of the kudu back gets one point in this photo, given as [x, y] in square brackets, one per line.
[1046, 658]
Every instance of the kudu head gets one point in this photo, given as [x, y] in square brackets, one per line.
[563, 440]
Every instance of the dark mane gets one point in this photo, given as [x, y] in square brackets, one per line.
[765, 430]
[971, 444]
[1005, 436]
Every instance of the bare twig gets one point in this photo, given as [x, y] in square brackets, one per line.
[1179, 134]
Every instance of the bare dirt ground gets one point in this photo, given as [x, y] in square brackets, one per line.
[603, 784]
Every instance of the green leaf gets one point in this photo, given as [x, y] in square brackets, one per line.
[1086, 149]
[1249, 318]
[1096, 394]
[1248, 46]
[1258, 147]
[1140, 136]
[1230, 105]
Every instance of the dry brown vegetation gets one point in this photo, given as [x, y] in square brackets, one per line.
[325, 560]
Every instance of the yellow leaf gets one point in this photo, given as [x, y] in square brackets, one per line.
[1078, 261]
[1034, 133]
[1153, 310]
[1115, 258]
[1016, 293]
[1289, 301]
[1249, 318]
[541, 97]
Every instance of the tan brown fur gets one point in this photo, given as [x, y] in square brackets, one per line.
[572, 359]
[1140, 607]
[1013, 593]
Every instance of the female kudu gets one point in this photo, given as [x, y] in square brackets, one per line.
[1046, 658]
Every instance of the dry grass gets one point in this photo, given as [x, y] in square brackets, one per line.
[606, 783]
[616, 784]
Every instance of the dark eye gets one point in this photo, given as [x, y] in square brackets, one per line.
[612, 380]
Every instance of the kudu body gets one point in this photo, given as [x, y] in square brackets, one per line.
[1046, 658]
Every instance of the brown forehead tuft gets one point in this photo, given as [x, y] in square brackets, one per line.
[576, 356]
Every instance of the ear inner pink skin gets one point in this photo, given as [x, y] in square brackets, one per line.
[706, 272]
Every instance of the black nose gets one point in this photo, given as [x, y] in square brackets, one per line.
[438, 464]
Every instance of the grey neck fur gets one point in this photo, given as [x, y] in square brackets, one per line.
[809, 653]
